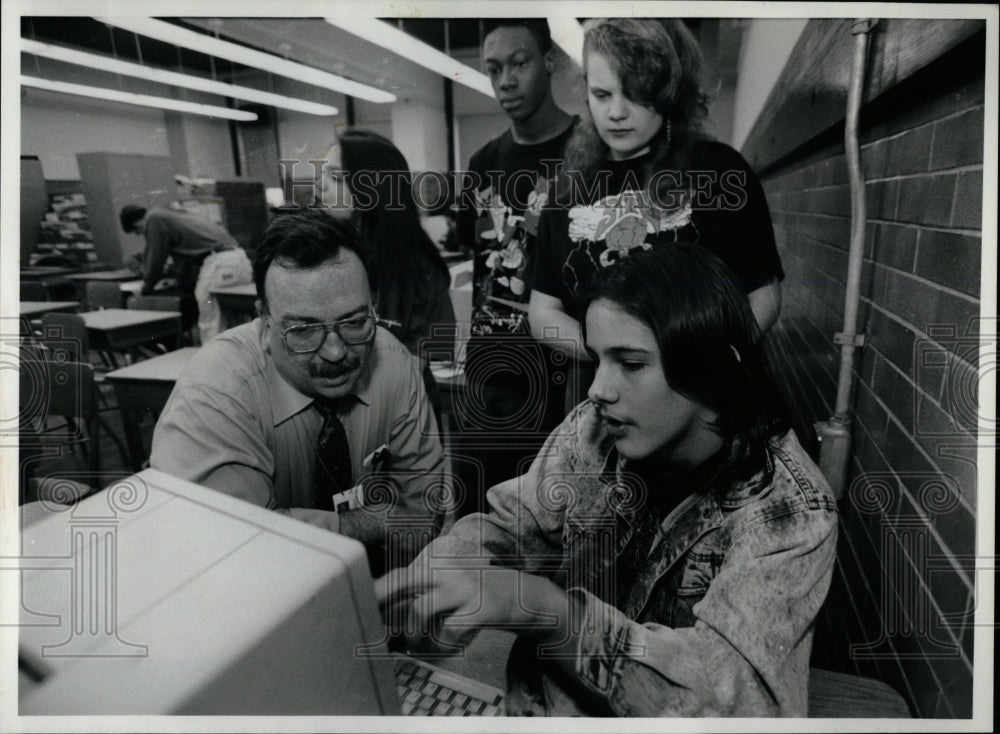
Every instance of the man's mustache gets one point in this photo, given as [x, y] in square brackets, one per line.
[326, 370]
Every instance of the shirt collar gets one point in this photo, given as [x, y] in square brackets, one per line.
[287, 400]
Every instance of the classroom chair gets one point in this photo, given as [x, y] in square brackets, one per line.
[164, 303]
[100, 294]
[65, 389]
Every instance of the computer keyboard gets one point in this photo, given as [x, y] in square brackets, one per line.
[425, 690]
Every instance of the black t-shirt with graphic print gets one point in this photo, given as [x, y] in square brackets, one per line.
[717, 202]
[499, 216]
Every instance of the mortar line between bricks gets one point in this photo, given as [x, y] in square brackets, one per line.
[800, 213]
[906, 324]
[925, 588]
[892, 416]
[782, 343]
[838, 315]
[929, 172]
[977, 233]
[964, 434]
[866, 589]
[844, 250]
[946, 230]
[935, 121]
[966, 579]
[901, 177]
[829, 374]
[923, 584]
[936, 286]
[921, 126]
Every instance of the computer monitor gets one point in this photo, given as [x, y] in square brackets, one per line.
[157, 596]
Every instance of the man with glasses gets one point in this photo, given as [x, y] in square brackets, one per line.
[312, 409]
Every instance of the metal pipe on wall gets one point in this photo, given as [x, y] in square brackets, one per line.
[835, 434]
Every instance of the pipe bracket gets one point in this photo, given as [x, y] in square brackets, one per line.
[865, 25]
[855, 340]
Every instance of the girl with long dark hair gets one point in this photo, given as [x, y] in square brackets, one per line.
[367, 178]
[668, 550]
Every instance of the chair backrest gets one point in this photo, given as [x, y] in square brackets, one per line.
[32, 291]
[155, 303]
[48, 387]
[102, 294]
[65, 337]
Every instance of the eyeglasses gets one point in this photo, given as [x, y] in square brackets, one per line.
[308, 338]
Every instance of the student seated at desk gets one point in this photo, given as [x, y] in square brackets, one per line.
[670, 546]
[312, 409]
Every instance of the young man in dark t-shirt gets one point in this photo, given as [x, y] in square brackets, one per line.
[513, 396]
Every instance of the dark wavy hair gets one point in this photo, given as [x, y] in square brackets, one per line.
[659, 65]
[710, 345]
[385, 211]
[306, 238]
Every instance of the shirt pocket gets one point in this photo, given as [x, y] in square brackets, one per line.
[700, 567]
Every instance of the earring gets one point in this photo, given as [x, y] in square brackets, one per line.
[668, 133]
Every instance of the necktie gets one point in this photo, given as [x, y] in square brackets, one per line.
[333, 457]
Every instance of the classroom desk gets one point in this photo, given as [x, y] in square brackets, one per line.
[131, 288]
[44, 273]
[54, 280]
[237, 303]
[142, 386]
[120, 330]
[112, 276]
[34, 309]
[124, 276]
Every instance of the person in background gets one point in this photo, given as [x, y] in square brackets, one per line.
[367, 179]
[204, 255]
[668, 550]
[640, 174]
[516, 387]
[311, 409]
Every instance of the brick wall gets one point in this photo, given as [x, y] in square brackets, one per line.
[911, 509]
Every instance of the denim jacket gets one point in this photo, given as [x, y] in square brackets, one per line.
[717, 619]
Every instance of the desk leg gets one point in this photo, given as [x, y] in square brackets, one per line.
[133, 437]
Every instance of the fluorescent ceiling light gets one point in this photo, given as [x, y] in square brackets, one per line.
[107, 63]
[212, 46]
[144, 100]
[568, 35]
[382, 34]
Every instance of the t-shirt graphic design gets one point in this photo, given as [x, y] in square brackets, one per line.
[507, 239]
[610, 229]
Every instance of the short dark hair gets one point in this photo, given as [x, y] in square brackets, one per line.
[710, 345]
[538, 27]
[130, 214]
[306, 238]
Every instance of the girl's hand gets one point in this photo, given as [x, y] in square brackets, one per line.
[459, 602]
